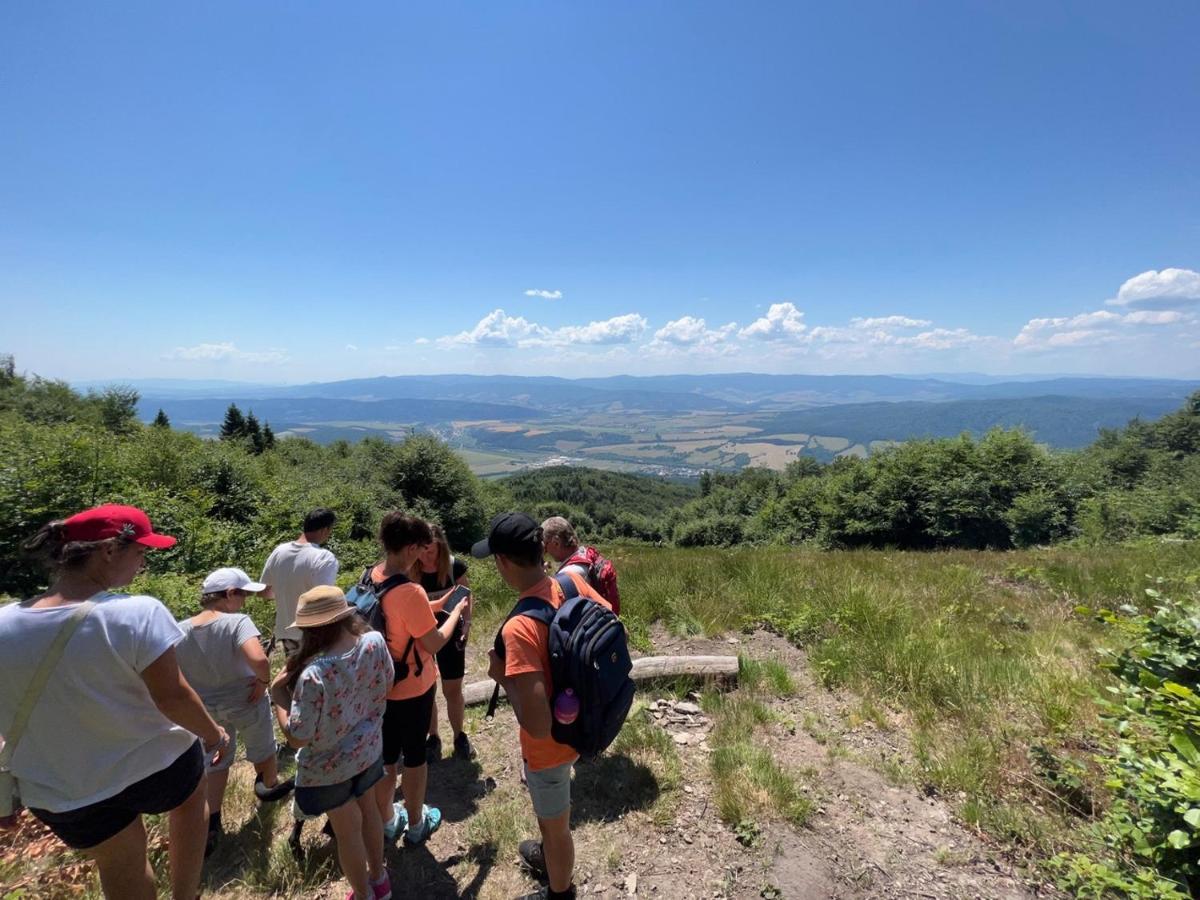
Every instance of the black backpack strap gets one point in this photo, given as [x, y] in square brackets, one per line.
[403, 660]
[388, 583]
[381, 590]
[533, 607]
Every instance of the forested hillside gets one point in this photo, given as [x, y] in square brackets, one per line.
[234, 498]
[999, 491]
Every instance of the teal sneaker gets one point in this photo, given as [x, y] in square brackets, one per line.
[398, 824]
[430, 822]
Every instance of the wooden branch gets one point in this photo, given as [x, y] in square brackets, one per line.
[645, 669]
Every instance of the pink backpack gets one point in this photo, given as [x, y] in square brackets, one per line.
[600, 574]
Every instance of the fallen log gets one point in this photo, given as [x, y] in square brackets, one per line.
[646, 668]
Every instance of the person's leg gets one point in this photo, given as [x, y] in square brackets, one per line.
[412, 786]
[385, 790]
[187, 837]
[412, 745]
[433, 719]
[124, 869]
[385, 793]
[217, 780]
[452, 690]
[558, 848]
[372, 835]
[268, 770]
[347, 822]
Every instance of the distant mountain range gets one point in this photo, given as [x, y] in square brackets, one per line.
[526, 419]
[701, 392]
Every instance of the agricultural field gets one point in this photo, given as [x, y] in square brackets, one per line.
[903, 725]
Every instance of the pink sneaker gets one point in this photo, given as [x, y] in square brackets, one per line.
[383, 887]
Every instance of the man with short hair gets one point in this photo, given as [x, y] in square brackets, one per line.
[298, 566]
[515, 540]
[563, 546]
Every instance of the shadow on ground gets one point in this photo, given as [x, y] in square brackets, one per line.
[607, 788]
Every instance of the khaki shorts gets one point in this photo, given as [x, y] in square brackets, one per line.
[550, 790]
[254, 724]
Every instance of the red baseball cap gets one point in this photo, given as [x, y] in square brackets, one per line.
[110, 521]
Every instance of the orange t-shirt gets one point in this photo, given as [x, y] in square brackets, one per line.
[407, 614]
[527, 649]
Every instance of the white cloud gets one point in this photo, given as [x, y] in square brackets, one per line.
[545, 295]
[890, 322]
[225, 351]
[1067, 331]
[1168, 289]
[351, 347]
[499, 329]
[617, 330]
[782, 321]
[421, 340]
[939, 339]
[1090, 329]
[1154, 317]
[689, 331]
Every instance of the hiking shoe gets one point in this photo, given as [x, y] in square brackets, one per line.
[430, 822]
[544, 892]
[398, 824]
[433, 748]
[272, 794]
[533, 857]
[462, 747]
[383, 887]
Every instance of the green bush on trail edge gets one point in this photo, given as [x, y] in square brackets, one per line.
[1150, 833]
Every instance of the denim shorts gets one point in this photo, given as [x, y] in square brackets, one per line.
[550, 790]
[321, 798]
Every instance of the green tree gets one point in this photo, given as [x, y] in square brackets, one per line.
[234, 426]
[161, 420]
[117, 407]
[254, 433]
[434, 481]
[268, 437]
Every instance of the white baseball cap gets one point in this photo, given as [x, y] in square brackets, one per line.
[222, 580]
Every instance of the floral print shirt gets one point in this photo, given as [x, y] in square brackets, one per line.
[337, 707]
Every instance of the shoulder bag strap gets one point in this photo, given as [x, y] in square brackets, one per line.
[41, 675]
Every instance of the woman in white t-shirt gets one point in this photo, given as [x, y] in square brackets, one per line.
[114, 732]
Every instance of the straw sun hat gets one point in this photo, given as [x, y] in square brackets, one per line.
[321, 606]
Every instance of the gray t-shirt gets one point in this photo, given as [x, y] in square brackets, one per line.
[212, 660]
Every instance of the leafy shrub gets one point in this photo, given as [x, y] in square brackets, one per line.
[1151, 830]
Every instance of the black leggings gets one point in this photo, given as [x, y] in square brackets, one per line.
[405, 727]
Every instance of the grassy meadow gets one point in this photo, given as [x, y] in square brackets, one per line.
[977, 664]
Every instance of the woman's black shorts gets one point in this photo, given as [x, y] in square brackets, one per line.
[161, 792]
[451, 659]
[405, 727]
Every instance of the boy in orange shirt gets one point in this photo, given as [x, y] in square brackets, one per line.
[413, 639]
[515, 540]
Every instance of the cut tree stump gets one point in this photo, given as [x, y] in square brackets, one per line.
[646, 668]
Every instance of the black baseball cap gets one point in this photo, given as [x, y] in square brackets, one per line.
[510, 532]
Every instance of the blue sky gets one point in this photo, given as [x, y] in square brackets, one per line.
[289, 192]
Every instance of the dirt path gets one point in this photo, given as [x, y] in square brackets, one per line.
[644, 829]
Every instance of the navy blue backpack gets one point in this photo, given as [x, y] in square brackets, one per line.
[588, 654]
